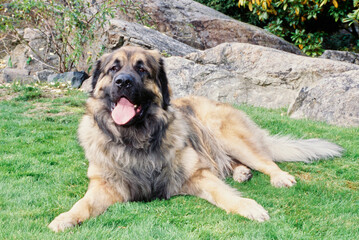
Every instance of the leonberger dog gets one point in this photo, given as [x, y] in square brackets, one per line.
[142, 146]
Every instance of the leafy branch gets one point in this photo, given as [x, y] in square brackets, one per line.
[68, 25]
[294, 19]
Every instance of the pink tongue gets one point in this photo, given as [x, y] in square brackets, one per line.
[123, 112]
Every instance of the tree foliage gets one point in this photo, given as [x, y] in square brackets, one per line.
[306, 23]
[68, 25]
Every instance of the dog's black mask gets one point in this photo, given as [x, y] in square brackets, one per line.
[127, 97]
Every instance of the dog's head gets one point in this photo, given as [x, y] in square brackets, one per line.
[130, 81]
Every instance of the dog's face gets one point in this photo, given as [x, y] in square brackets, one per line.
[130, 81]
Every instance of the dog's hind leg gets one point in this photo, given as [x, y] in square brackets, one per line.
[241, 150]
[242, 140]
[206, 185]
[241, 173]
[97, 199]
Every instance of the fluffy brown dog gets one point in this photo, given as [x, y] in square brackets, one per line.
[142, 147]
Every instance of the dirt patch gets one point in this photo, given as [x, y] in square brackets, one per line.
[6, 94]
[47, 91]
[45, 109]
[305, 176]
[39, 108]
[352, 185]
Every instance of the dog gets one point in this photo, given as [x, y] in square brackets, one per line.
[141, 145]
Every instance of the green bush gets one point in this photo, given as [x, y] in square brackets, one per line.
[309, 24]
[67, 24]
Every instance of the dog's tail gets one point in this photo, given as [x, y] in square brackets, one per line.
[286, 149]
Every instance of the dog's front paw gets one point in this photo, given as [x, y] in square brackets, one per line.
[282, 179]
[63, 221]
[242, 173]
[251, 209]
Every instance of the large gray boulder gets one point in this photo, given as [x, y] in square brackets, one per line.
[76, 78]
[343, 56]
[245, 73]
[120, 33]
[35, 56]
[16, 75]
[202, 27]
[333, 99]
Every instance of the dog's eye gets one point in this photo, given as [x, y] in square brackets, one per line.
[142, 70]
[115, 68]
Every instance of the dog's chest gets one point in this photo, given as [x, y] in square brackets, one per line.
[151, 176]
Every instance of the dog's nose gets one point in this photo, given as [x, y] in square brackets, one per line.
[124, 81]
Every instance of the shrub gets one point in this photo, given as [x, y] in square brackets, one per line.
[68, 25]
[307, 23]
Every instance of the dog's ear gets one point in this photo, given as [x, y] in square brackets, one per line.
[96, 73]
[162, 77]
[98, 69]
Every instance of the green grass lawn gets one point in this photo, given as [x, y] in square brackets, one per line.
[43, 173]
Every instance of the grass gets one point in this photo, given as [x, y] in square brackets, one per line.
[43, 173]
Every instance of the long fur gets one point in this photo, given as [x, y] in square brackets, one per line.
[287, 149]
[168, 148]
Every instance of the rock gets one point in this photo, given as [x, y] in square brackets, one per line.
[18, 57]
[31, 34]
[13, 74]
[7, 44]
[216, 31]
[333, 99]
[87, 85]
[43, 75]
[202, 27]
[76, 78]
[22, 57]
[2, 77]
[38, 55]
[343, 56]
[245, 73]
[122, 33]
